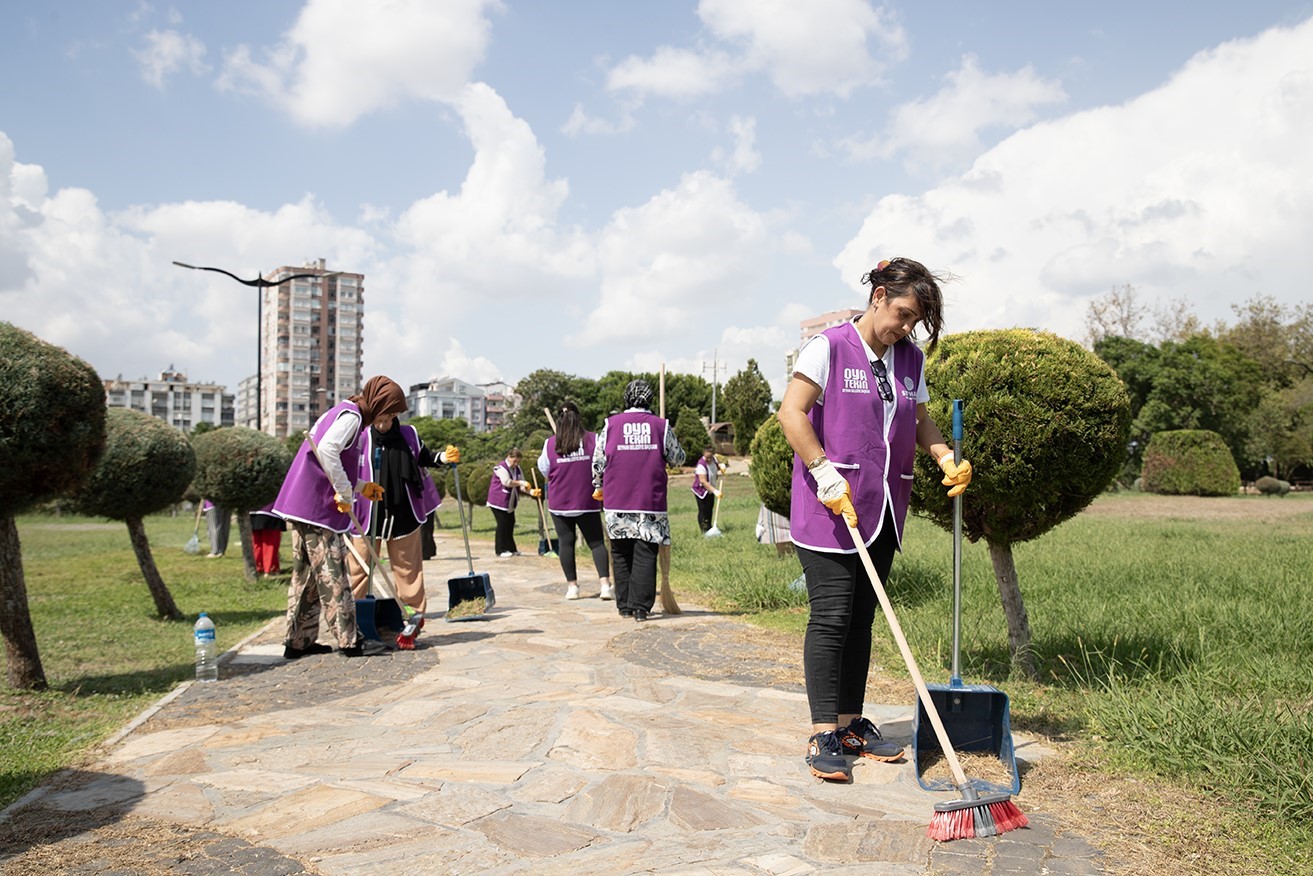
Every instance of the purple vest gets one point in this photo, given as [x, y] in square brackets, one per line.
[422, 499]
[570, 478]
[705, 466]
[851, 428]
[635, 477]
[307, 493]
[500, 497]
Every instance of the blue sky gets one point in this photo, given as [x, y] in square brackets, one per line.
[589, 186]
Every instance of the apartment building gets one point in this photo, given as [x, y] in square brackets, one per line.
[448, 398]
[174, 399]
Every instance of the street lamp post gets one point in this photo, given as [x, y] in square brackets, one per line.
[261, 284]
[716, 366]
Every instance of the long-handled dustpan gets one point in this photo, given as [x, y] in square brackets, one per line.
[977, 717]
[714, 531]
[472, 591]
[547, 546]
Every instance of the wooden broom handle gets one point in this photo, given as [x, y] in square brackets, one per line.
[931, 712]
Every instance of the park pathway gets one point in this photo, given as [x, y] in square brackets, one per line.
[553, 737]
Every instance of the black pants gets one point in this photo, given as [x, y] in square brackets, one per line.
[590, 527]
[635, 573]
[504, 540]
[705, 505]
[836, 652]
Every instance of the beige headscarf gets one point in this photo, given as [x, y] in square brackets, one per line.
[380, 396]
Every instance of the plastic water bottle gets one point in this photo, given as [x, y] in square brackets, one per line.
[207, 649]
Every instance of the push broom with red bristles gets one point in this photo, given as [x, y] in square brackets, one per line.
[974, 814]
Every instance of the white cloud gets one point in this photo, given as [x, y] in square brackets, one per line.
[1202, 187]
[166, 52]
[820, 47]
[582, 123]
[946, 127]
[744, 158]
[660, 259]
[343, 59]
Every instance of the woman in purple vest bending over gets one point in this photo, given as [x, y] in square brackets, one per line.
[854, 414]
[629, 467]
[566, 463]
[504, 489]
[316, 500]
[397, 459]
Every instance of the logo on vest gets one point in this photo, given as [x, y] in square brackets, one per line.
[637, 436]
[854, 380]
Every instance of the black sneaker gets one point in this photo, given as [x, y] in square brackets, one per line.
[626, 612]
[367, 648]
[825, 757]
[290, 653]
[861, 738]
[640, 615]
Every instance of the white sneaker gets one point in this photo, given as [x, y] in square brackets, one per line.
[572, 592]
[606, 592]
[505, 554]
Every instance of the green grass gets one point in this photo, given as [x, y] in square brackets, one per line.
[106, 656]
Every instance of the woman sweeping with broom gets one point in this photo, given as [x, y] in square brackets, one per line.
[854, 414]
[566, 462]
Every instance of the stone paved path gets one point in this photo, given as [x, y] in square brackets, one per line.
[551, 737]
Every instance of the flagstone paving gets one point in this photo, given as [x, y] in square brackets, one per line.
[549, 737]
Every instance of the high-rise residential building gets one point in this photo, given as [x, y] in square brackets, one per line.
[500, 401]
[311, 334]
[173, 399]
[813, 326]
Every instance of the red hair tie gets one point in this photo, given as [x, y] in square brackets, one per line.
[880, 267]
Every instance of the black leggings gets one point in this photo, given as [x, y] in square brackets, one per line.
[635, 573]
[706, 504]
[590, 527]
[836, 652]
[504, 540]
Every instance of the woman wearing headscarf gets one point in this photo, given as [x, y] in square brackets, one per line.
[629, 474]
[397, 459]
[316, 500]
[566, 464]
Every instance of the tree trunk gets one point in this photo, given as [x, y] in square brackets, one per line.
[248, 543]
[24, 661]
[1014, 607]
[165, 607]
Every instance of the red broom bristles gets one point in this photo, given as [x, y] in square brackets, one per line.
[987, 819]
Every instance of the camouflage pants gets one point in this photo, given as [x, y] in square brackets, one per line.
[319, 583]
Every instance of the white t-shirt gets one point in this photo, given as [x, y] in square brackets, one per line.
[814, 364]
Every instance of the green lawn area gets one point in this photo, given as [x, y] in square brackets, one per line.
[1173, 636]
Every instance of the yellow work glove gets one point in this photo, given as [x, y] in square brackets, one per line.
[371, 491]
[956, 475]
[451, 455]
[597, 494]
[536, 492]
[343, 505]
[834, 492]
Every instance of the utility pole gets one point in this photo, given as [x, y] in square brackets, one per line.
[715, 375]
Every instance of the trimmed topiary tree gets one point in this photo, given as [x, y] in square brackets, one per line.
[1190, 462]
[147, 466]
[691, 434]
[772, 466]
[1270, 486]
[241, 469]
[1045, 427]
[52, 432]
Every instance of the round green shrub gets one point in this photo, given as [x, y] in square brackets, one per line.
[52, 420]
[1270, 486]
[239, 468]
[474, 480]
[1190, 462]
[147, 465]
[772, 466]
[691, 434]
[1045, 427]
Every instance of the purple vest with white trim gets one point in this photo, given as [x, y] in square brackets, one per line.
[307, 493]
[500, 497]
[850, 426]
[635, 476]
[423, 499]
[704, 467]
[570, 478]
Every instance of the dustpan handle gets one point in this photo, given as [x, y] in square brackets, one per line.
[460, 507]
[956, 679]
